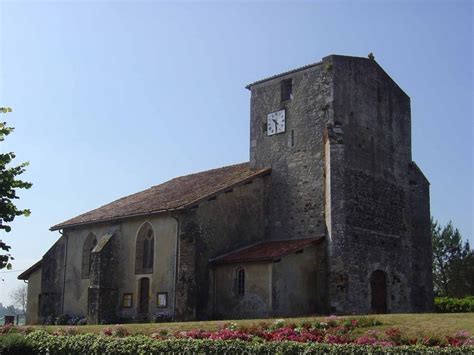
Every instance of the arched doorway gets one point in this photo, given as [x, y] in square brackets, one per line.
[144, 295]
[378, 286]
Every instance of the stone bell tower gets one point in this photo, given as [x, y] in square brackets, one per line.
[337, 135]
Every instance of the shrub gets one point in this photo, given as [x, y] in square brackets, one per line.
[44, 343]
[454, 305]
[15, 344]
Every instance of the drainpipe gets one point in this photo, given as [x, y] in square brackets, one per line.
[176, 270]
[65, 264]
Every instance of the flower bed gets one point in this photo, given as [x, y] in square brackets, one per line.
[44, 343]
[334, 335]
[333, 331]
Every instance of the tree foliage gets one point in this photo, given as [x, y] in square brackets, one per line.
[9, 185]
[19, 297]
[453, 262]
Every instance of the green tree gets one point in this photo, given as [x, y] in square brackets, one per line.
[453, 262]
[9, 184]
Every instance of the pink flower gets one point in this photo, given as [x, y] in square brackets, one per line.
[336, 339]
[366, 340]
[462, 334]
[384, 343]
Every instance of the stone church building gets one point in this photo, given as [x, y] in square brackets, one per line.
[330, 215]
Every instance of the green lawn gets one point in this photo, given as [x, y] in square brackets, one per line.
[413, 325]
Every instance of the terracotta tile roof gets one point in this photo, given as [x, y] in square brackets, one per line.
[176, 194]
[26, 274]
[266, 250]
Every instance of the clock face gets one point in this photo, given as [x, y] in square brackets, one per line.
[276, 122]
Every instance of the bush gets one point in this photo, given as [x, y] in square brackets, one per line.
[15, 344]
[44, 343]
[454, 305]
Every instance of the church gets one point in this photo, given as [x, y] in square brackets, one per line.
[330, 215]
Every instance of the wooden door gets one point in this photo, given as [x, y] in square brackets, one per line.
[378, 285]
[144, 296]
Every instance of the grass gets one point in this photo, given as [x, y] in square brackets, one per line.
[412, 325]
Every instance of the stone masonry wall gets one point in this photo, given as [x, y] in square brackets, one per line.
[33, 292]
[420, 232]
[52, 281]
[257, 299]
[103, 290]
[218, 226]
[374, 114]
[298, 285]
[295, 199]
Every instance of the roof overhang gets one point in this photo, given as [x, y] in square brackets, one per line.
[266, 251]
[26, 274]
[194, 203]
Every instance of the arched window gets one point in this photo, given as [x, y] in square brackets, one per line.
[89, 244]
[240, 282]
[145, 248]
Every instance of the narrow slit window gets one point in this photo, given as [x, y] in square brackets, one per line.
[240, 282]
[286, 90]
[148, 251]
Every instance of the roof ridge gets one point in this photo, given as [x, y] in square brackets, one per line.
[200, 172]
[177, 193]
[291, 71]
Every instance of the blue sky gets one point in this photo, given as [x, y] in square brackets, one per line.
[110, 98]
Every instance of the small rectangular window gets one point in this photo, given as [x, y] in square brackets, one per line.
[162, 299]
[286, 90]
[127, 301]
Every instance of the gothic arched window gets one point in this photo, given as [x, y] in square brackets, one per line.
[240, 282]
[89, 244]
[145, 248]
